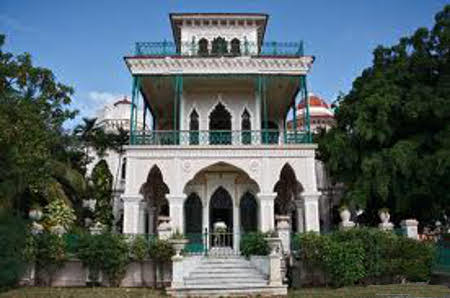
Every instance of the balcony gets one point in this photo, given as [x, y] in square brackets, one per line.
[219, 137]
[192, 49]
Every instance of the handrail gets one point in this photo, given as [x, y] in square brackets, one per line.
[168, 48]
[218, 137]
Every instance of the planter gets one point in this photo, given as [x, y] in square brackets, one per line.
[35, 214]
[178, 245]
[273, 243]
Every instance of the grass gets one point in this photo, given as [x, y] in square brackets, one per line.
[41, 292]
[384, 291]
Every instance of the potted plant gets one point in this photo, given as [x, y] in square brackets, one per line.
[178, 241]
[384, 215]
[344, 213]
[35, 212]
[272, 240]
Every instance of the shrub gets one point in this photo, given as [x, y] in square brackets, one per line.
[254, 244]
[343, 261]
[12, 243]
[106, 252]
[366, 255]
[102, 183]
[50, 254]
[160, 251]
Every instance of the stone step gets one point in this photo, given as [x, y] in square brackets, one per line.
[226, 284]
[224, 270]
[266, 291]
[220, 274]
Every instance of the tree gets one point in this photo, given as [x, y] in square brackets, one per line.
[33, 108]
[102, 182]
[391, 144]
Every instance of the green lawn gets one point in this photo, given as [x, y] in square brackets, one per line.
[386, 291]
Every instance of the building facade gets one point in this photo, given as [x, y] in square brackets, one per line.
[218, 149]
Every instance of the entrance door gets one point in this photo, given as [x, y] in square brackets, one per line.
[221, 211]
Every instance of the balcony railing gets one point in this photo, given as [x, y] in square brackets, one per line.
[218, 137]
[166, 48]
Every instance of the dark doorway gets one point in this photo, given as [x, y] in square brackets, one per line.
[221, 209]
[248, 213]
[220, 126]
[193, 214]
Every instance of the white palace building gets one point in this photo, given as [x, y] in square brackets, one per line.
[217, 153]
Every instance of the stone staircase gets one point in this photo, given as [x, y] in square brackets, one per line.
[226, 276]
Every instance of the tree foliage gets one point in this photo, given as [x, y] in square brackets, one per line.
[102, 182]
[33, 107]
[391, 144]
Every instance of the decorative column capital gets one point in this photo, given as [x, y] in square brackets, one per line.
[312, 196]
[127, 198]
[267, 196]
[176, 198]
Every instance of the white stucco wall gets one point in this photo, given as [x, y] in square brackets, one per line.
[204, 102]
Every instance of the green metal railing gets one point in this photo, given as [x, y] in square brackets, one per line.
[218, 137]
[245, 48]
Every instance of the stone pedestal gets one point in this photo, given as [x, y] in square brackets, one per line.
[386, 226]
[177, 272]
[266, 216]
[409, 227]
[284, 232]
[312, 221]
[176, 211]
[345, 225]
[275, 270]
[131, 213]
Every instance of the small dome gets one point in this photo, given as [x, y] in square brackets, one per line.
[314, 101]
[123, 101]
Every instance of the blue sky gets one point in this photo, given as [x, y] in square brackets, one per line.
[84, 41]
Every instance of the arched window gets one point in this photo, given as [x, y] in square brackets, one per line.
[203, 47]
[246, 127]
[193, 128]
[236, 47]
[219, 46]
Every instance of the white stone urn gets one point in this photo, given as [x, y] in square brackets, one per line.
[345, 216]
[273, 243]
[384, 216]
[178, 245]
[35, 214]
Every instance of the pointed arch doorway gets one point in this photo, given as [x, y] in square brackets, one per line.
[221, 211]
[220, 126]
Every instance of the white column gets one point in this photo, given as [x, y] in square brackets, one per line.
[141, 222]
[266, 210]
[300, 216]
[312, 222]
[236, 227]
[131, 213]
[176, 211]
[151, 219]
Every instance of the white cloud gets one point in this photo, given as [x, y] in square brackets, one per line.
[100, 98]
